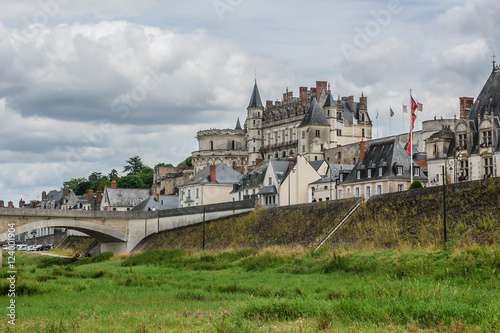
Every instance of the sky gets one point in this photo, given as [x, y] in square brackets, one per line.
[85, 85]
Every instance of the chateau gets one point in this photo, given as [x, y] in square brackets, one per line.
[307, 125]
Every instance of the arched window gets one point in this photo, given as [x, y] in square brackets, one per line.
[211, 145]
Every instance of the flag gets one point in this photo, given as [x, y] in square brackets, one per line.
[377, 115]
[405, 109]
[420, 107]
[414, 107]
[392, 112]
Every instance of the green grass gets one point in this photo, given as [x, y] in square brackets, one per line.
[273, 290]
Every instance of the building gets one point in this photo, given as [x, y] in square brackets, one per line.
[168, 179]
[385, 167]
[307, 125]
[294, 187]
[122, 199]
[469, 150]
[325, 189]
[263, 181]
[211, 185]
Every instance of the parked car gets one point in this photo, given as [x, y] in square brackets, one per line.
[38, 247]
[21, 247]
[30, 248]
[46, 247]
[8, 248]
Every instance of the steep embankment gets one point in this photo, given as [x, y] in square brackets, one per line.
[411, 218]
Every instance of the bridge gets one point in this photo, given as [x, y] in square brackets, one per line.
[118, 232]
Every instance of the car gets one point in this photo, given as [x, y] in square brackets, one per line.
[21, 247]
[30, 248]
[8, 248]
[46, 247]
[38, 247]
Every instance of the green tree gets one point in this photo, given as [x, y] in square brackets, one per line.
[101, 183]
[134, 165]
[113, 175]
[94, 176]
[416, 184]
[187, 162]
[83, 188]
[164, 165]
[73, 183]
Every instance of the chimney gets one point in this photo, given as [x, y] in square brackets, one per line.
[212, 173]
[258, 161]
[91, 194]
[361, 149]
[98, 197]
[11, 204]
[113, 184]
[291, 164]
[44, 195]
[21, 203]
[465, 106]
[33, 204]
[363, 103]
[320, 85]
[2, 204]
[303, 93]
[153, 189]
[350, 100]
[65, 191]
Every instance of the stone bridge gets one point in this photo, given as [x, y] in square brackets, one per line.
[118, 232]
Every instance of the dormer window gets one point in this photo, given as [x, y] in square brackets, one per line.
[358, 174]
[416, 171]
[369, 173]
[380, 172]
[399, 170]
[487, 138]
[341, 177]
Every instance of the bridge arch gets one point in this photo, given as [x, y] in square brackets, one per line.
[97, 231]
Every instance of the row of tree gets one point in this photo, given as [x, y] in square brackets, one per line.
[137, 175]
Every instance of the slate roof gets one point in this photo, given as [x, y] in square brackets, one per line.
[126, 197]
[487, 101]
[316, 164]
[238, 125]
[169, 202]
[255, 101]
[256, 178]
[386, 154]
[315, 115]
[330, 101]
[268, 190]
[223, 175]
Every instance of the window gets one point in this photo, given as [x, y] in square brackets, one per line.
[254, 122]
[339, 132]
[340, 194]
[358, 174]
[356, 192]
[462, 141]
[211, 145]
[487, 138]
[400, 187]
[416, 171]
[363, 132]
[197, 193]
[303, 148]
[317, 133]
[399, 171]
[368, 192]
[341, 177]
[270, 182]
[325, 187]
[339, 155]
[303, 134]
[379, 189]
[369, 173]
[488, 166]
[380, 172]
[232, 145]
[362, 118]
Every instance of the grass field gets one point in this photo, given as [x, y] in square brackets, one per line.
[276, 289]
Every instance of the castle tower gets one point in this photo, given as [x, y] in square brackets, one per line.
[255, 114]
[314, 133]
[330, 110]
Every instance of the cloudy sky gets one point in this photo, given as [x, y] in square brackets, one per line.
[85, 85]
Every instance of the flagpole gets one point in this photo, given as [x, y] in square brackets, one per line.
[411, 141]
[390, 124]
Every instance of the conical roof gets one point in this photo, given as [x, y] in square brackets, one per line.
[255, 101]
[488, 99]
[238, 125]
[314, 115]
[330, 101]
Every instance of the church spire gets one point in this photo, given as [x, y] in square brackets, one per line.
[238, 125]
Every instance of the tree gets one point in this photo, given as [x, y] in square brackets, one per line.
[83, 188]
[94, 176]
[134, 165]
[164, 165]
[416, 184]
[113, 175]
[73, 183]
[187, 162]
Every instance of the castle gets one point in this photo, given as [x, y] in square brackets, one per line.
[307, 125]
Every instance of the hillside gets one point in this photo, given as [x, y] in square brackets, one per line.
[411, 219]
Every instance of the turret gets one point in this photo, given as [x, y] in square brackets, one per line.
[255, 114]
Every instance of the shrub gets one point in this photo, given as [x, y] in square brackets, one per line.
[416, 184]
